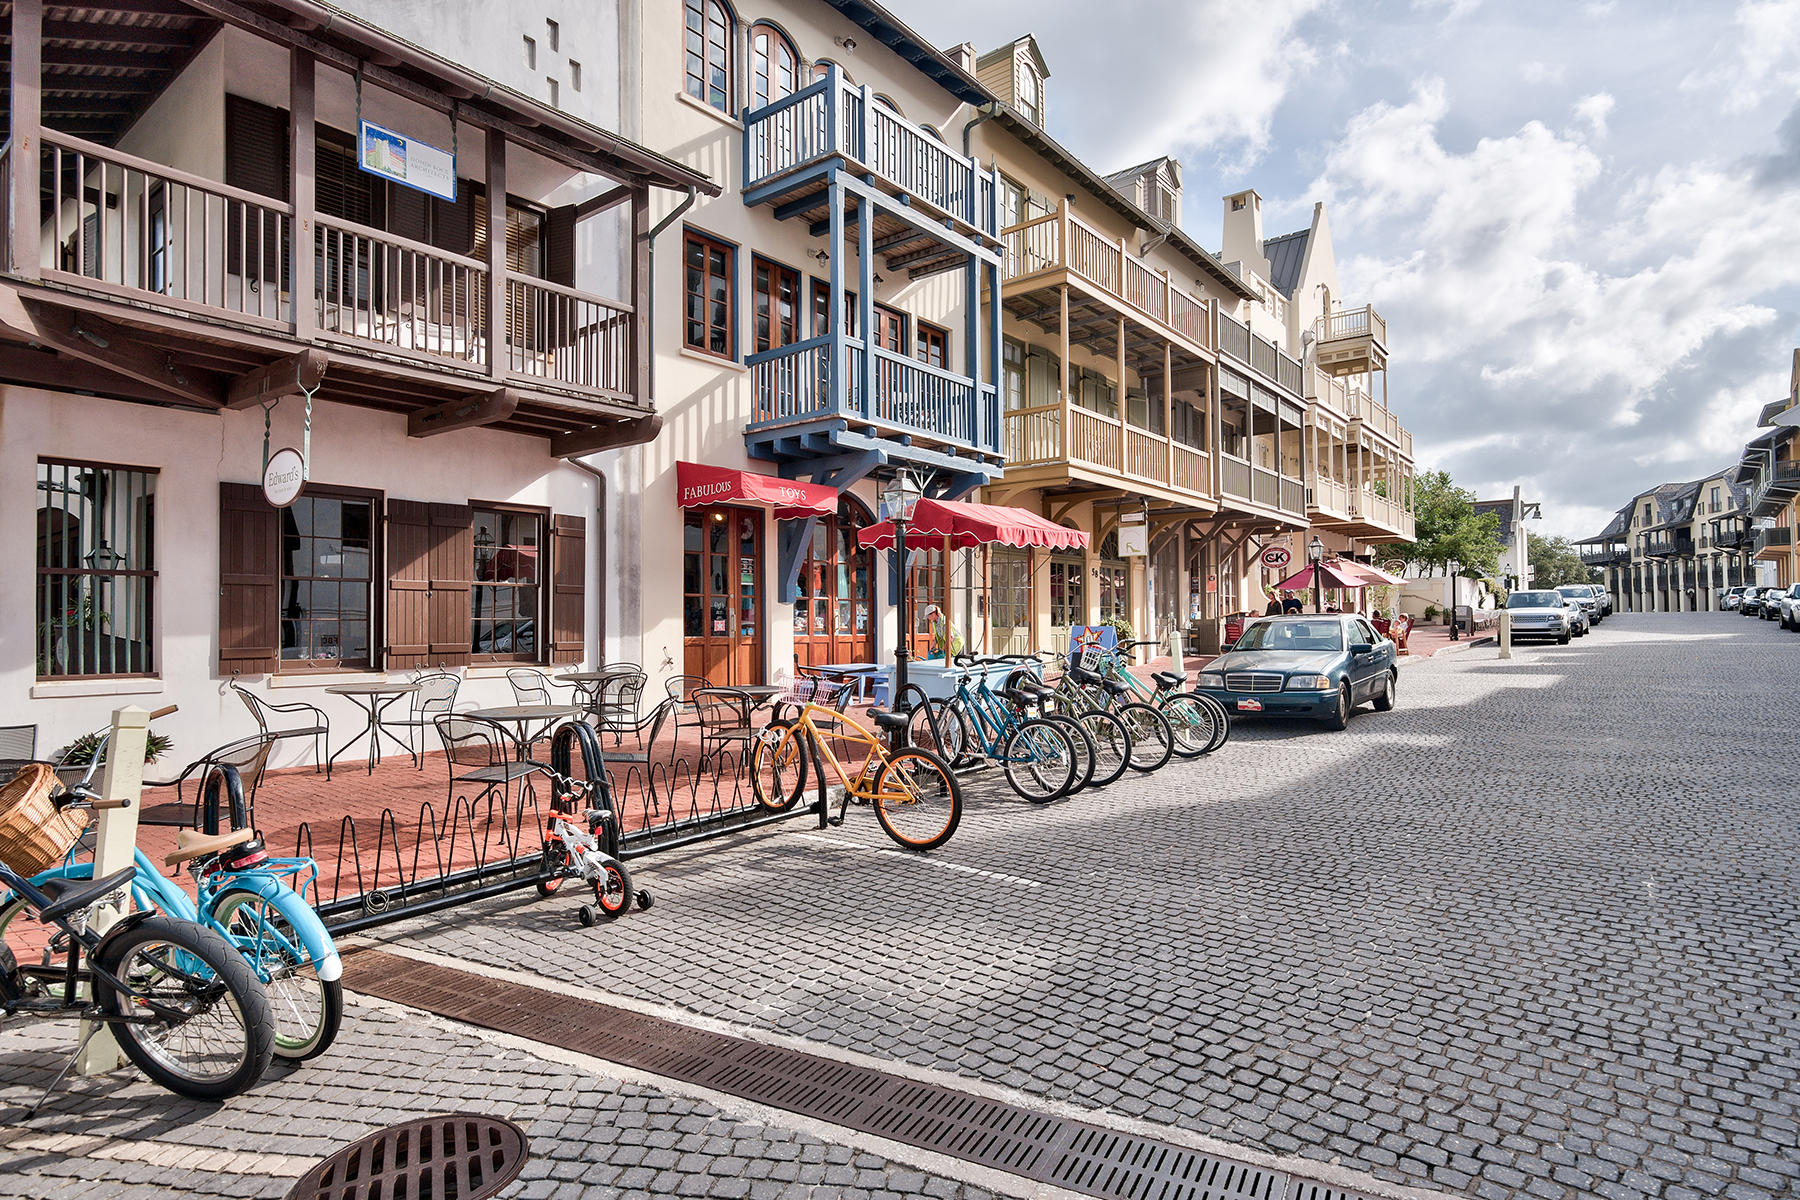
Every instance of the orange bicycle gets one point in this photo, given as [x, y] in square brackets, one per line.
[915, 795]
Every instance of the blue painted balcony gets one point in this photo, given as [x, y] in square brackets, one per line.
[890, 203]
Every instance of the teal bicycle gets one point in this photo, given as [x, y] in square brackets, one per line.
[1199, 723]
[256, 902]
[1037, 756]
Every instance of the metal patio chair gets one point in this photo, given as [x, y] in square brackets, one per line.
[18, 746]
[479, 752]
[436, 697]
[315, 725]
[724, 718]
[618, 700]
[250, 756]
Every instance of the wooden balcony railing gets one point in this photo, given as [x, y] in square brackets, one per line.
[1192, 470]
[830, 118]
[1108, 267]
[1260, 355]
[1034, 436]
[794, 383]
[1351, 323]
[1328, 496]
[129, 228]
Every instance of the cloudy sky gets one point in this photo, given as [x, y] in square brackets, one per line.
[1581, 220]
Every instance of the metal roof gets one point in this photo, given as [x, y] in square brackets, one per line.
[1502, 509]
[1285, 254]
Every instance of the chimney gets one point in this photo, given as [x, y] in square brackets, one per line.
[1243, 232]
[964, 56]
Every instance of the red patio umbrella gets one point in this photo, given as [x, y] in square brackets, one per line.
[1369, 571]
[1331, 574]
[969, 525]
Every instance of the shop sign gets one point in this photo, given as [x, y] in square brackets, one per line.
[406, 160]
[284, 477]
[1276, 556]
[1134, 541]
[1212, 583]
[1394, 566]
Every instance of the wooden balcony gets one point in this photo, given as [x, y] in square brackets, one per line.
[1351, 341]
[1381, 516]
[1108, 284]
[1357, 406]
[1262, 356]
[1774, 487]
[129, 278]
[930, 206]
[1242, 483]
[1327, 500]
[1100, 451]
[1775, 543]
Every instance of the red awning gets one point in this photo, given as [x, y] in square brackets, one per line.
[698, 485]
[975, 525]
[1331, 574]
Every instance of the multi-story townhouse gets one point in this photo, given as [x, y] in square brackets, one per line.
[1770, 471]
[1675, 546]
[235, 230]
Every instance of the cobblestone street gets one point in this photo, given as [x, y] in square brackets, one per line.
[1533, 933]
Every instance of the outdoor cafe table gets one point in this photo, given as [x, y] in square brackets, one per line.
[759, 693]
[374, 699]
[521, 715]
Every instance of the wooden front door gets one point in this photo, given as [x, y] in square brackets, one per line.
[722, 606]
[834, 609]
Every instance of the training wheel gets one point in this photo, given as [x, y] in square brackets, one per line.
[645, 899]
[587, 916]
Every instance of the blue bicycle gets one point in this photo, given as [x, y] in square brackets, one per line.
[1038, 756]
[256, 902]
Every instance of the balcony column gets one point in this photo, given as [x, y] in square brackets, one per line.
[498, 351]
[1119, 393]
[24, 117]
[865, 259]
[1062, 367]
[1168, 407]
[302, 155]
[972, 344]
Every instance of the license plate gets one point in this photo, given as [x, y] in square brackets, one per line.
[1245, 704]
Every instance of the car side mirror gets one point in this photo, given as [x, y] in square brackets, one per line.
[1361, 648]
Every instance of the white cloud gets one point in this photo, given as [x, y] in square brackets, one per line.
[1452, 9]
[1593, 111]
[1541, 72]
[1759, 59]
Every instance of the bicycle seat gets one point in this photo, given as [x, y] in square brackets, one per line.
[1019, 696]
[1114, 687]
[1169, 679]
[1082, 675]
[889, 720]
[191, 845]
[80, 898]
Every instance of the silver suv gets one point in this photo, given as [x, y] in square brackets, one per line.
[1539, 614]
[1583, 594]
[1788, 607]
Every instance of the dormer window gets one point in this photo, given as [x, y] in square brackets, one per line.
[1030, 95]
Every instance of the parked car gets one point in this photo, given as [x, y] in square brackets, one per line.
[1787, 605]
[1729, 601]
[1604, 597]
[1579, 620]
[1539, 615]
[1317, 666]
[1583, 594]
[1750, 603]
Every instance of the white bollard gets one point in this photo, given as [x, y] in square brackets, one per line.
[115, 845]
[1505, 634]
[1176, 664]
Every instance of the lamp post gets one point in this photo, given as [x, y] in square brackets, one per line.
[1315, 554]
[899, 497]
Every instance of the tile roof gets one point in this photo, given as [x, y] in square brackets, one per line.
[1502, 509]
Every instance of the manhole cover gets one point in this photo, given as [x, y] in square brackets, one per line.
[458, 1157]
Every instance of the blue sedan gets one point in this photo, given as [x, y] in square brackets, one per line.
[1320, 667]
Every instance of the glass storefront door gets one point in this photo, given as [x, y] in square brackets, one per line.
[722, 605]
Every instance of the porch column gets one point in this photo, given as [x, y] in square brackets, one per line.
[1124, 420]
[865, 255]
[1168, 422]
[496, 253]
[302, 155]
[1062, 366]
[25, 116]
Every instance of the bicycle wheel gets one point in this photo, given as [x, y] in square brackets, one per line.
[1191, 721]
[308, 1010]
[952, 739]
[215, 1032]
[917, 799]
[1111, 742]
[1082, 745]
[556, 859]
[613, 891]
[778, 766]
[1221, 719]
[1152, 741]
[1040, 762]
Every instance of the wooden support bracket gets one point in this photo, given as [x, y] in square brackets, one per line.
[280, 379]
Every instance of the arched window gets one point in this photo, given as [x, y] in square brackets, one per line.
[709, 33]
[934, 133]
[824, 64]
[1029, 102]
[774, 65]
[888, 101]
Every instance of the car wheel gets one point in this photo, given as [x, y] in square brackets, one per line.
[1384, 699]
[1340, 716]
[1562, 639]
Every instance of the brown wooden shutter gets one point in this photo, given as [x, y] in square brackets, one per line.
[568, 588]
[452, 570]
[249, 582]
[453, 224]
[256, 160]
[559, 245]
[409, 585]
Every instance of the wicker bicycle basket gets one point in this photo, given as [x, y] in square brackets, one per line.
[35, 834]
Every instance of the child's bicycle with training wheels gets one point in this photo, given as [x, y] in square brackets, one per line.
[1200, 723]
[914, 793]
[581, 841]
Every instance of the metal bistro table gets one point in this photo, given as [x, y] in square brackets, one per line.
[759, 693]
[369, 696]
[522, 715]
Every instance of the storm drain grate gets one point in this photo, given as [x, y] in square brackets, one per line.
[1037, 1146]
[455, 1157]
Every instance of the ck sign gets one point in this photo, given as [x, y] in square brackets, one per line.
[1275, 556]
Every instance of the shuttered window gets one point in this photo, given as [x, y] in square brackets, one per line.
[327, 567]
[507, 601]
[248, 584]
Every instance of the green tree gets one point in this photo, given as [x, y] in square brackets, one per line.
[1449, 530]
[1554, 562]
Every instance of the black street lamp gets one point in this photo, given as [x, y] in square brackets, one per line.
[1315, 554]
[900, 496]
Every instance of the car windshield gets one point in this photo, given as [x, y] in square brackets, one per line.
[1534, 600]
[1573, 591]
[1292, 635]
